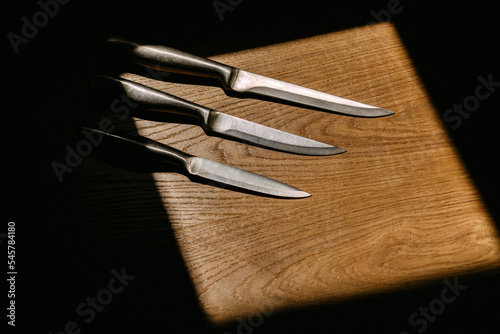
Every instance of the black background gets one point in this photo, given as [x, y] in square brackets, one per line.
[61, 260]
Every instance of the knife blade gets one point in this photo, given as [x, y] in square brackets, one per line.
[240, 81]
[207, 169]
[215, 121]
[246, 82]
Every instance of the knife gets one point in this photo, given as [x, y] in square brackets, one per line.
[151, 99]
[240, 81]
[207, 169]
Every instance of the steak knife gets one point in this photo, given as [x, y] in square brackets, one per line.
[206, 169]
[241, 81]
[151, 99]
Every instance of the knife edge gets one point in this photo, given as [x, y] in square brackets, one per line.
[261, 135]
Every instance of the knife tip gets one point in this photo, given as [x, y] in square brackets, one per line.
[329, 150]
[339, 150]
[389, 113]
[300, 194]
[383, 112]
[372, 112]
[292, 192]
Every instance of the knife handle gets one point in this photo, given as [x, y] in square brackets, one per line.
[167, 153]
[148, 98]
[173, 60]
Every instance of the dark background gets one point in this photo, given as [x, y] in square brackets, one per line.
[66, 250]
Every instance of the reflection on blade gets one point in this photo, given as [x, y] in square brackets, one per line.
[240, 178]
[265, 136]
[246, 82]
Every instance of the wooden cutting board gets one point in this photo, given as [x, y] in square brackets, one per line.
[397, 209]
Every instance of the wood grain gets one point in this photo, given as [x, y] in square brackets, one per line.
[397, 209]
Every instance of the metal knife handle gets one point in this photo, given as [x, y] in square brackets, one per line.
[169, 154]
[151, 99]
[173, 60]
